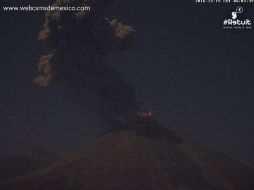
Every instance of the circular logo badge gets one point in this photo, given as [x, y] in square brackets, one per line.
[239, 9]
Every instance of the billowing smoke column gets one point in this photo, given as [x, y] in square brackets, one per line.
[80, 40]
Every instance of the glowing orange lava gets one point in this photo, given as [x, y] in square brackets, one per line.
[146, 114]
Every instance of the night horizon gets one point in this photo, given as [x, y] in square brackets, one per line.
[177, 62]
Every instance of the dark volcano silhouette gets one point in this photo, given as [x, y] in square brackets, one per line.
[142, 156]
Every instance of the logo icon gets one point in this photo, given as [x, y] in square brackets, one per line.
[238, 11]
[235, 23]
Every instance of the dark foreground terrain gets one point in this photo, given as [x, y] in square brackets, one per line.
[145, 156]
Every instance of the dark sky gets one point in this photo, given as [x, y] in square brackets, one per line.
[195, 76]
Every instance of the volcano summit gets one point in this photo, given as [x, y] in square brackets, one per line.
[145, 156]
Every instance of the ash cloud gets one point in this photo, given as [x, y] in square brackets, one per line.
[80, 41]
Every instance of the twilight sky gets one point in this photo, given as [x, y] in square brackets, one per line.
[195, 76]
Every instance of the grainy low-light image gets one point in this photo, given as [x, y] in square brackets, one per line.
[126, 95]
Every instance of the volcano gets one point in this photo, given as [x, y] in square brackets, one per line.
[142, 156]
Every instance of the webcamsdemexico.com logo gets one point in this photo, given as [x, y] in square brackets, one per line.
[235, 22]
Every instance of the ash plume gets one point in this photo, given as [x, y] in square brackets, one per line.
[80, 40]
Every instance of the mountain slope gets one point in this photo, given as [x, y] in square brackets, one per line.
[145, 156]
